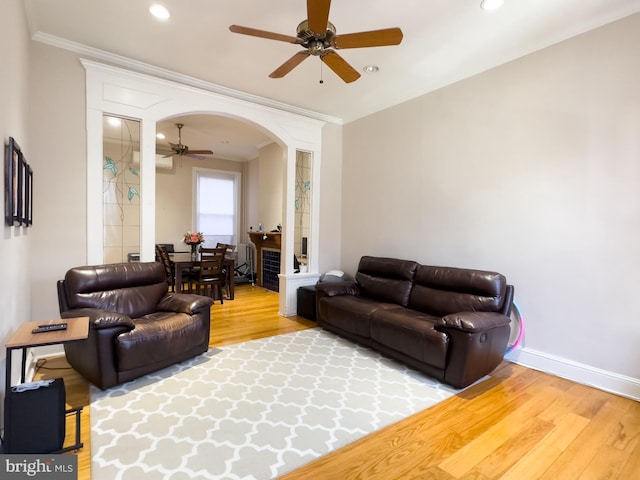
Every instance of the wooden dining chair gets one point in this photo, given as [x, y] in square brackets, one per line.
[230, 252]
[211, 274]
[162, 256]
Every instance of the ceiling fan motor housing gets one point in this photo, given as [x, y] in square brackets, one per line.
[311, 41]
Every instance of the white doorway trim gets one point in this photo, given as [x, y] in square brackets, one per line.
[121, 92]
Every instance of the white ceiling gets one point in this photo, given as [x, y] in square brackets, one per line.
[444, 41]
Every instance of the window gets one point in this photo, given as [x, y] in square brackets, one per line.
[217, 206]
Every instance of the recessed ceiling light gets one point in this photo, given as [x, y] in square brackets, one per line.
[371, 68]
[160, 136]
[114, 121]
[491, 4]
[159, 11]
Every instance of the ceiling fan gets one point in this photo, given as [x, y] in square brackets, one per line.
[319, 38]
[183, 150]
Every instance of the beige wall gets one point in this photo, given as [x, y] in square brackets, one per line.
[531, 169]
[15, 243]
[330, 198]
[59, 147]
[270, 187]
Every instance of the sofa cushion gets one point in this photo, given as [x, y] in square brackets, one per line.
[350, 313]
[440, 291]
[386, 279]
[411, 333]
[154, 336]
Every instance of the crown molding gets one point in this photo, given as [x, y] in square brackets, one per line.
[145, 68]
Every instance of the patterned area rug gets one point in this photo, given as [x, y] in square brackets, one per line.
[254, 410]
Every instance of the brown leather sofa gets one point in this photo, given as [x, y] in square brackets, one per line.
[135, 326]
[450, 323]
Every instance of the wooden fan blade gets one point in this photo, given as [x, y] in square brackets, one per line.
[340, 67]
[318, 16]
[289, 65]
[197, 157]
[199, 152]
[374, 38]
[254, 32]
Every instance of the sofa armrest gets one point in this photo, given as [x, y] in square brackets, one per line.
[477, 343]
[101, 319]
[183, 303]
[332, 289]
[472, 322]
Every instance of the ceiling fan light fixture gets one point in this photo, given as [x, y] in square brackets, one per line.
[371, 69]
[114, 121]
[491, 4]
[159, 11]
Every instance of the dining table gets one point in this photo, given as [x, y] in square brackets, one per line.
[182, 262]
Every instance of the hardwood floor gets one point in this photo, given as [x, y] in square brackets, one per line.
[519, 424]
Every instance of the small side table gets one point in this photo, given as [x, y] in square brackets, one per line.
[23, 339]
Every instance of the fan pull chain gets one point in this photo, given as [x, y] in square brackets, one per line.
[321, 80]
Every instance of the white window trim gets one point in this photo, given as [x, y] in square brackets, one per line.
[237, 182]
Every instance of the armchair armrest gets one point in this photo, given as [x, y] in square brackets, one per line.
[332, 289]
[101, 319]
[472, 322]
[183, 303]
[93, 357]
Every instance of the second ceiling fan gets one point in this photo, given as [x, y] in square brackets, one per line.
[319, 38]
[183, 150]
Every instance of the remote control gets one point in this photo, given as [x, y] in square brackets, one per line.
[50, 327]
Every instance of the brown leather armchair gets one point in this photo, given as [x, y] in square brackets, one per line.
[135, 325]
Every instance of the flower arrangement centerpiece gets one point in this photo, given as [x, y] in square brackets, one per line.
[193, 239]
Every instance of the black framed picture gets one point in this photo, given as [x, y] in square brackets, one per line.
[12, 209]
[19, 196]
[29, 196]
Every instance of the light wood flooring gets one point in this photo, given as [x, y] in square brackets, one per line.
[519, 424]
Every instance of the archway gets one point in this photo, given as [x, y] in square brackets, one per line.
[149, 99]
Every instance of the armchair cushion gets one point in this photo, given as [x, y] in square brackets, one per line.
[130, 288]
[155, 335]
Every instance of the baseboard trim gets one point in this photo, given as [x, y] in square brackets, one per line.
[39, 353]
[622, 385]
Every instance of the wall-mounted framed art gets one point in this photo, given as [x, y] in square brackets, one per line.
[28, 195]
[18, 186]
[11, 165]
[19, 218]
